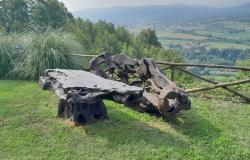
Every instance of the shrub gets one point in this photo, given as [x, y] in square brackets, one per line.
[7, 50]
[47, 50]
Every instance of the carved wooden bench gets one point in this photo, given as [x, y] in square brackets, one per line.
[81, 94]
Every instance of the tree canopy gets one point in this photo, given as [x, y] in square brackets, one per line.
[148, 37]
[18, 15]
[50, 13]
[39, 15]
[14, 14]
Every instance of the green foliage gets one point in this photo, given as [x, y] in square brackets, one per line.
[43, 50]
[20, 15]
[14, 15]
[50, 13]
[7, 49]
[27, 55]
[97, 37]
[228, 56]
[47, 50]
[50, 50]
[123, 35]
[161, 54]
[216, 56]
[148, 37]
[103, 36]
[84, 31]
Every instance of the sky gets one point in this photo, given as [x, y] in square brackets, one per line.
[74, 5]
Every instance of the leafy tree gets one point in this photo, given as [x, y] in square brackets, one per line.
[84, 30]
[123, 35]
[50, 13]
[103, 26]
[148, 37]
[227, 56]
[104, 36]
[14, 15]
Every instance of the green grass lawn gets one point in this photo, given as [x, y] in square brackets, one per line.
[29, 129]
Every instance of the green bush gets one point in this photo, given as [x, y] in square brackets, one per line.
[47, 50]
[27, 55]
[7, 50]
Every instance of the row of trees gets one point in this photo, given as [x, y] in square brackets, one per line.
[21, 15]
[227, 56]
[104, 36]
[45, 18]
[39, 15]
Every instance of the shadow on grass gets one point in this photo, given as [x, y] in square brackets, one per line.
[122, 128]
[195, 126]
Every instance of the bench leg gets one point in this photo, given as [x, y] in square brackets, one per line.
[82, 113]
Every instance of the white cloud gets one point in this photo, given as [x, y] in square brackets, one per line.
[74, 5]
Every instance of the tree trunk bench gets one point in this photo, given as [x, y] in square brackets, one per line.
[81, 94]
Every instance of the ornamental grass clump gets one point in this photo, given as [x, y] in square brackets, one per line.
[7, 51]
[47, 50]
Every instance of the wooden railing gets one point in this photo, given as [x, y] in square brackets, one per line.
[177, 66]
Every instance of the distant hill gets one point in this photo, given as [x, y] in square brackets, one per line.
[239, 10]
[126, 15]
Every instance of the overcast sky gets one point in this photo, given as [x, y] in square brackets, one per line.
[74, 5]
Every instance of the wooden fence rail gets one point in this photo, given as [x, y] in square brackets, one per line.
[218, 86]
[176, 66]
[214, 82]
[204, 65]
[187, 64]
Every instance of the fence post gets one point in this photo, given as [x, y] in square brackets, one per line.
[172, 72]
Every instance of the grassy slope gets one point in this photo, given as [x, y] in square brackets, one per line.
[30, 130]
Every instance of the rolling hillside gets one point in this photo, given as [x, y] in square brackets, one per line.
[125, 15]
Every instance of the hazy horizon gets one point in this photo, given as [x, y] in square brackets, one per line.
[74, 5]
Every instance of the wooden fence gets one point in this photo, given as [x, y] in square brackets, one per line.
[178, 66]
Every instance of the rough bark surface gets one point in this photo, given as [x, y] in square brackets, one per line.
[139, 84]
[160, 95]
[81, 94]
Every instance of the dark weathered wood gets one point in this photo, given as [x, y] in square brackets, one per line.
[172, 73]
[204, 65]
[160, 105]
[170, 64]
[218, 86]
[155, 88]
[120, 67]
[82, 113]
[214, 82]
[81, 94]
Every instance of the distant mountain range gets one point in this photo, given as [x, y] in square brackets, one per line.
[126, 15]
